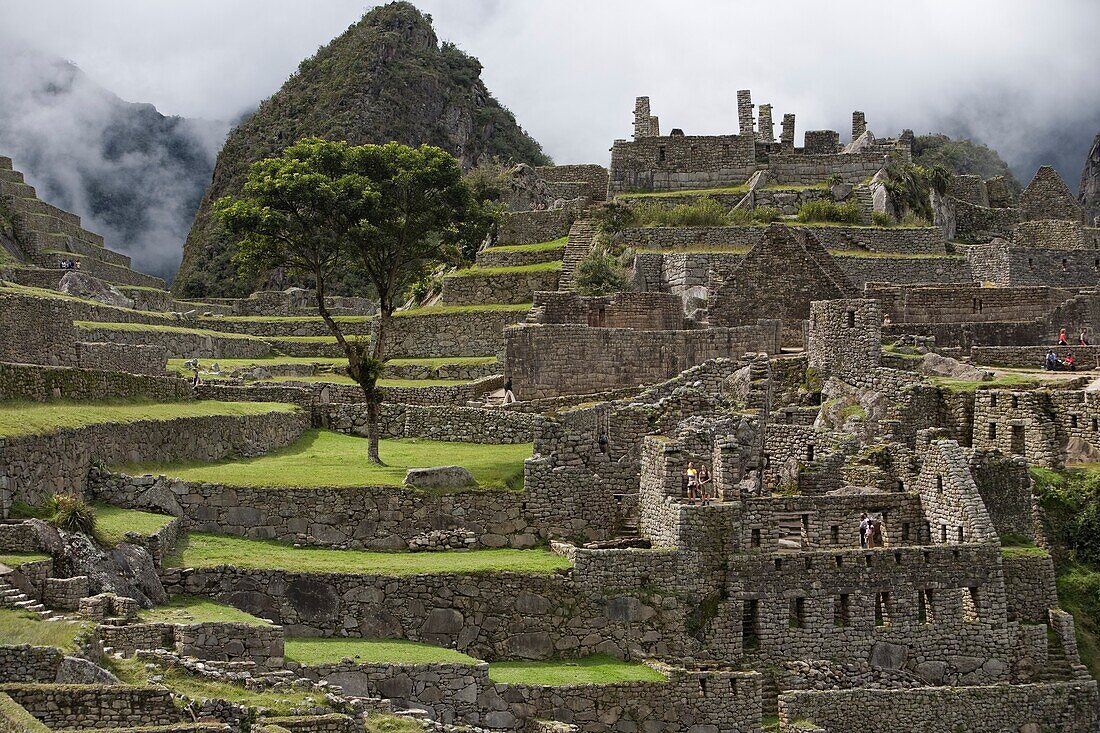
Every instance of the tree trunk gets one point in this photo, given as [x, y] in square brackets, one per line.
[373, 414]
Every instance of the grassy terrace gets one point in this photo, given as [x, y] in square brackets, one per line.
[972, 385]
[7, 288]
[15, 559]
[550, 266]
[313, 651]
[112, 523]
[133, 672]
[195, 610]
[160, 328]
[595, 670]
[281, 319]
[439, 310]
[325, 458]
[540, 247]
[344, 379]
[20, 627]
[228, 365]
[22, 418]
[209, 551]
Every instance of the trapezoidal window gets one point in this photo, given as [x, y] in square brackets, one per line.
[797, 618]
[1018, 440]
[970, 605]
[851, 317]
[841, 614]
[750, 624]
[661, 154]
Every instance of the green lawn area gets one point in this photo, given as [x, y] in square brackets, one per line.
[971, 385]
[160, 328]
[344, 379]
[35, 418]
[519, 270]
[326, 458]
[132, 671]
[228, 365]
[315, 651]
[540, 247]
[208, 551]
[284, 319]
[13, 289]
[1079, 594]
[313, 339]
[437, 310]
[197, 610]
[20, 627]
[594, 670]
[112, 523]
[15, 559]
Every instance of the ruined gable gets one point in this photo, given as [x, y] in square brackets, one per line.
[1048, 197]
[779, 278]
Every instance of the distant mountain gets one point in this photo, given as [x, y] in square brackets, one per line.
[132, 174]
[962, 157]
[386, 78]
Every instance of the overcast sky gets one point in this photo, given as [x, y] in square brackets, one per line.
[1020, 75]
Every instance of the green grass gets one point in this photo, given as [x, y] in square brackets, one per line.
[558, 243]
[687, 192]
[1079, 594]
[15, 559]
[331, 378]
[314, 651]
[284, 319]
[1017, 551]
[132, 671]
[160, 328]
[594, 670]
[439, 361]
[8, 288]
[197, 610]
[21, 627]
[972, 385]
[21, 418]
[142, 288]
[438, 310]
[112, 523]
[14, 717]
[325, 458]
[391, 724]
[228, 365]
[518, 270]
[207, 551]
[313, 339]
[886, 255]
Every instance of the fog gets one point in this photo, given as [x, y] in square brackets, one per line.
[1016, 75]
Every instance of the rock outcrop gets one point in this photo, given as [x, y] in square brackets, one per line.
[1090, 183]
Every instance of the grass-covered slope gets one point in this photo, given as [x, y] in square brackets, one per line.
[208, 551]
[325, 458]
[386, 78]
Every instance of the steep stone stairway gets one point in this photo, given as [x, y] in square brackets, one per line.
[862, 195]
[577, 247]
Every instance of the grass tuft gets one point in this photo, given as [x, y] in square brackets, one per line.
[315, 651]
[196, 610]
[594, 670]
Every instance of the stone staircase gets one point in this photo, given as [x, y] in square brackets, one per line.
[47, 235]
[12, 597]
[1058, 667]
[862, 195]
[577, 247]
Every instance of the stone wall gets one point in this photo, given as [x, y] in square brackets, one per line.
[180, 344]
[1048, 197]
[26, 663]
[121, 357]
[549, 360]
[592, 177]
[844, 336]
[681, 162]
[1017, 423]
[1029, 586]
[812, 167]
[1056, 234]
[975, 223]
[863, 269]
[463, 424]
[1065, 706]
[1004, 265]
[646, 311]
[42, 384]
[231, 642]
[71, 707]
[534, 227]
[963, 303]
[897, 240]
[477, 333]
[510, 287]
[37, 466]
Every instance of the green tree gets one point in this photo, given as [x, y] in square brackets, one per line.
[384, 211]
[599, 273]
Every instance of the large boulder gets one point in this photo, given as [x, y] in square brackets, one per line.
[82, 285]
[126, 570]
[937, 365]
[439, 477]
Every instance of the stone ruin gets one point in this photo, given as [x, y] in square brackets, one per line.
[813, 369]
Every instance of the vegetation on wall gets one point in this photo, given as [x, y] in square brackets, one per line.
[961, 157]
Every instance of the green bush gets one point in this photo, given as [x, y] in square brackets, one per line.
[1071, 502]
[706, 212]
[613, 217]
[71, 513]
[830, 211]
[766, 214]
[600, 274]
[914, 220]
[740, 217]
[881, 219]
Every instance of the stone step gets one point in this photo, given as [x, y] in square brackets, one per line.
[7, 174]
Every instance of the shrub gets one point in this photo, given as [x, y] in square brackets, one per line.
[740, 217]
[881, 219]
[706, 212]
[71, 513]
[825, 210]
[600, 274]
[613, 217]
[914, 220]
[766, 214]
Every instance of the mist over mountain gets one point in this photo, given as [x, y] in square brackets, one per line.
[132, 174]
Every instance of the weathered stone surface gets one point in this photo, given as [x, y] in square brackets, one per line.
[439, 477]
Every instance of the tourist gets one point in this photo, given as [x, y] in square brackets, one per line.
[1062, 338]
[864, 525]
[704, 483]
[195, 381]
[692, 481]
[602, 442]
[872, 535]
[1083, 338]
[1051, 361]
[509, 396]
[1069, 363]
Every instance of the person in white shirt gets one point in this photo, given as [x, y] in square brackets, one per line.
[864, 526]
